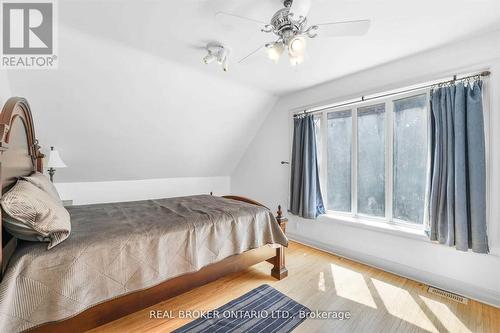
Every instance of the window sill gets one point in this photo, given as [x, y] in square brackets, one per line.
[379, 226]
[389, 228]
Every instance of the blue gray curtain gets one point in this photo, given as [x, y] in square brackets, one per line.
[457, 191]
[305, 194]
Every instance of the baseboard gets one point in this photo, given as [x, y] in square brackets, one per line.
[482, 295]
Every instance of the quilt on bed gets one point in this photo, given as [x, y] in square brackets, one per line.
[118, 248]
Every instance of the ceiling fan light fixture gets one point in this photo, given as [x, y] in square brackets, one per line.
[291, 27]
[297, 46]
[275, 51]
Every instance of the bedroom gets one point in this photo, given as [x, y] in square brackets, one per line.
[178, 126]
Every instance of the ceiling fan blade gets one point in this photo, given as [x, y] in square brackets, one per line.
[348, 28]
[228, 20]
[250, 54]
[300, 7]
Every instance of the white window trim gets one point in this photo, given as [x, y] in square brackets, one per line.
[376, 225]
[354, 216]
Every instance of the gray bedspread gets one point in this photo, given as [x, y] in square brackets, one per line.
[118, 248]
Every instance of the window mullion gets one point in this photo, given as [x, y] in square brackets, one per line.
[324, 160]
[354, 162]
[389, 168]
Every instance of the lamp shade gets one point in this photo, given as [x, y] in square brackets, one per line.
[55, 160]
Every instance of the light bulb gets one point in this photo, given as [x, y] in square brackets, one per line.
[274, 52]
[297, 46]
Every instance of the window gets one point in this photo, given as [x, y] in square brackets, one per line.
[371, 160]
[339, 151]
[376, 158]
[410, 158]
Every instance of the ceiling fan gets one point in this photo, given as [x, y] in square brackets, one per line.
[291, 28]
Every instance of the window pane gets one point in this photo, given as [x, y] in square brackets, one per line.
[410, 158]
[339, 161]
[371, 160]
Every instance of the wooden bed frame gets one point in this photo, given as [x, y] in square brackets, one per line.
[20, 155]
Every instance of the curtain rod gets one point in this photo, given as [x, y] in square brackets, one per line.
[398, 92]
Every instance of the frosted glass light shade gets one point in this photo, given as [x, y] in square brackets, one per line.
[297, 46]
[274, 52]
[55, 160]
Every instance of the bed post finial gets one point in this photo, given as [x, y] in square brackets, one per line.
[282, 221]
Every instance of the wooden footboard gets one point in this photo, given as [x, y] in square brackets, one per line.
[119, 307]
[279, 270]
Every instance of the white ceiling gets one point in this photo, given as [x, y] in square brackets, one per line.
[131, 98]
[178, 30]
[117, 113]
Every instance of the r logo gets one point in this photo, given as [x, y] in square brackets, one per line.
[27, 28]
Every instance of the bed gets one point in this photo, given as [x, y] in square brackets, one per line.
[122, 257]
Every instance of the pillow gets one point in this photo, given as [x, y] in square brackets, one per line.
[38, 211]
[21, 230]
[43, 183]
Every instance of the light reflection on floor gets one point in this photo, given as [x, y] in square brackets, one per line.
[351, 285]
[424, 312]
[321, 281]
[447, 316]
[393, 297]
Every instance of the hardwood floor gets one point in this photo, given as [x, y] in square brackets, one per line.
[378, 301]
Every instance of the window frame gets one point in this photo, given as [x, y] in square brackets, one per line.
[389, 157]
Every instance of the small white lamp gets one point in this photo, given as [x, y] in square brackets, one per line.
[55, 162]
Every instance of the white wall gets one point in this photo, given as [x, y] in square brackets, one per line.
[260, 175]
[118, 191]
[4, 87]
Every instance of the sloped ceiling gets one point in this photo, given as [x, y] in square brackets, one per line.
[132, 100]
[117, 113]
[179, 30]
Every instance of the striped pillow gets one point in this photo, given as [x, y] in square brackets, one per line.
[38, 210]
[42, 182]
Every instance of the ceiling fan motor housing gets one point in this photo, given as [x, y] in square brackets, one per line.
[286, 25]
